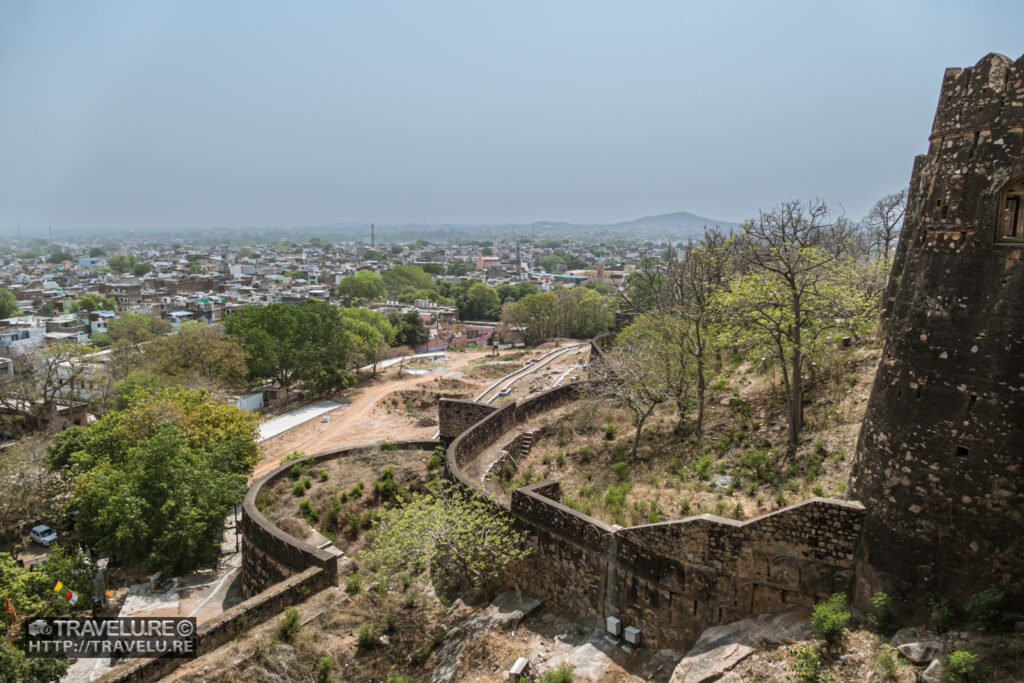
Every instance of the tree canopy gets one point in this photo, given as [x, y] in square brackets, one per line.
[361, 287]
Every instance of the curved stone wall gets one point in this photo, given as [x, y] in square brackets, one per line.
[270, 555]
[671, 579]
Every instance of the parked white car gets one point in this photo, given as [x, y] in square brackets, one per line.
[43, 535]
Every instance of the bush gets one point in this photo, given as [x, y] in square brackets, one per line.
[881, 619]
[703, 467]
[961, 666]
[621, 470]
[390, 622]
[943, 614]
[388, 446]
[610, 430]
[308, 511]
[563, 674]
[806, 663]
[323, 668]
[829, 619]
[323, 475]
[366, 639]
[985, 608]
[288, 625]
[354, 583]
[887, 661]
[436, 458]
[299, 489]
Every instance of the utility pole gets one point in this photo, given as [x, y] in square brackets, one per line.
[371, 236]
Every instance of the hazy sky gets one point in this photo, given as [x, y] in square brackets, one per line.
[214, 113]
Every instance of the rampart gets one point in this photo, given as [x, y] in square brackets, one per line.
[671, 579]
[457, 416]
[270, 555]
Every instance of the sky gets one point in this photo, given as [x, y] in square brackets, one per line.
[190, 113]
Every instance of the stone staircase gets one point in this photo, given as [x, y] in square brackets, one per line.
[525, 445]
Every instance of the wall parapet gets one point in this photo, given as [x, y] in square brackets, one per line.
[270, 555]
[674, 578]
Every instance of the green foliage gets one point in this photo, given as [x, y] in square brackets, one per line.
[121, 263]
[389, 622]
[806, 664]
[887, 662]
[985, 608]
[16, 667]
[578, 312]
[388, 446]
[563, 674]
[136, 328]
[610, 430]
[444, 530]
[829, 619]
[402, 278]
[880, 620]
[164, 504]
[288, 626]
[943, 615]
[324, 666]
[962, 666]
[367, 638]
[703, 467]
[308, 343]
[409, 328]
[354, 583]
[436, 458]
[91, 301]
[386, 488]
[621, 470]
[195, 354]
[480, 302]
[362, 287]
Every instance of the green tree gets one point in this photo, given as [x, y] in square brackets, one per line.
[362, 287]
[433, 268]
[409, 328]
[164, 504]
[369, 333]
[517, 291]
[8, 304]
[480, 302]
[197, 353]
[121, 263]
[457, 268]
[140, 269]
[91, 301]
[305, 343]
[790, 291]
[401, 278]
[136, 328]
[634, 375]
[446, 531]
[96, 252]
[59, 257]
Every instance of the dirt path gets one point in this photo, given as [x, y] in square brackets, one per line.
[364, 420]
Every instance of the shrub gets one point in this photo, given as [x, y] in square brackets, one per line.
[299, 489]
[806, 663]
[308, 511]
[887, 661]
[386, 487]
[818, 491]
[288, 625]
[390, 622]
[299, 469]
[621, 470]
[354, 583]
[323, 668]
[323, 475]
[654, 514]
[388, 446]
[943, 614]
[985, 608]
[436, 460]
[610, 430]
[880, 620]
[703, 467]
[829, 619]
[563, 674]
[585, 454]
[962, 665]
[366, 638]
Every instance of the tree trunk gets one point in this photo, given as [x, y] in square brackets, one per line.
[796, 397]
[701, 398]
[639, 428]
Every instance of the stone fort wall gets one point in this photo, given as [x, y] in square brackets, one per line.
[671, 579]
[939, 459]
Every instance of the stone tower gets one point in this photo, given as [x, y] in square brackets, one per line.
[941, 450]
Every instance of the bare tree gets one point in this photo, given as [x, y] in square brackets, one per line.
[885, 220]
[634, 376]
[32, 492]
